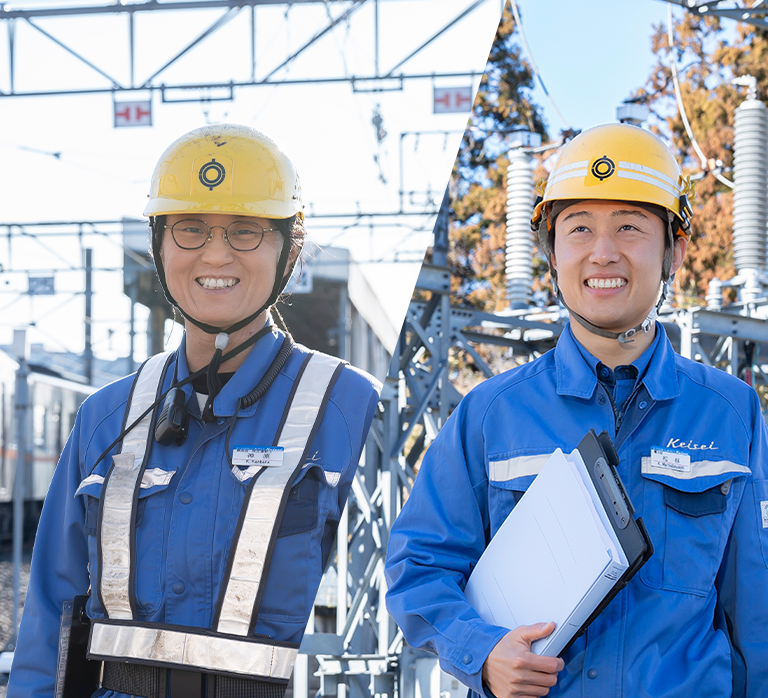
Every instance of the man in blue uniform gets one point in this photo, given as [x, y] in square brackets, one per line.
[691, 440]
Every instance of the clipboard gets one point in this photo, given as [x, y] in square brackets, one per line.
[601, 460]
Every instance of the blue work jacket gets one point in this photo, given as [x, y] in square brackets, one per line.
[185, 526]
[694, 620]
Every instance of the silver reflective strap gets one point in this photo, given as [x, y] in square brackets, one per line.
[186, 648]
[261, 516]
[513, 468]
[143, 395]
[115, 534]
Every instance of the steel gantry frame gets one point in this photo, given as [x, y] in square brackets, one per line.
[378, 79]
[755, 14]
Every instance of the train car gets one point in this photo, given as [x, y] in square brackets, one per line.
[50, 416]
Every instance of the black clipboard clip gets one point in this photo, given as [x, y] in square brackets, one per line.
[601, 460]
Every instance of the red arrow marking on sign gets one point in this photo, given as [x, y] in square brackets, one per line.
[460, 99]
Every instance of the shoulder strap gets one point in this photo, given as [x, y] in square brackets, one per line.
[117, 510]
[267, 495]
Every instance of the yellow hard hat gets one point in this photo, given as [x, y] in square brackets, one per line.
[225, 168]
[622, 163]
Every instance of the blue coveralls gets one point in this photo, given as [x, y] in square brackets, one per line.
[694, 621]
[185, 527]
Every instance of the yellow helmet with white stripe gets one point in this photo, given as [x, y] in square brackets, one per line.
[622, 163]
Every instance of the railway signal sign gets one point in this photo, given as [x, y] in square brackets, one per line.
[451, 99]
[137, 113]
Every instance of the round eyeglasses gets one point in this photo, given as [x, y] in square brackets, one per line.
[243, 236]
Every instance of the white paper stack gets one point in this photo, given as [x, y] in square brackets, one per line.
[554, 559]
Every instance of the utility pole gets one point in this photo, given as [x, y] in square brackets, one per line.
[88, 354]
[21, 405]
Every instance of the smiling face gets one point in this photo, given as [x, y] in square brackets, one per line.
[608, 256]
[216, 284]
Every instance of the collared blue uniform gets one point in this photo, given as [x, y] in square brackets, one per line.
[186, 522]
[694, 621]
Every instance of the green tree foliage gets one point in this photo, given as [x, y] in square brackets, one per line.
[709, 54]
[478, 230]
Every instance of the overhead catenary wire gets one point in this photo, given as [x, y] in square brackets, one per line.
[681, 107]
[535, 70]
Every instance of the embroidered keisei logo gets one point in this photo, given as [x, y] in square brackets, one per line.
[764, 512]
[691, 446]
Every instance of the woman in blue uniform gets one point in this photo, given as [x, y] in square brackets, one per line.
[196, 504]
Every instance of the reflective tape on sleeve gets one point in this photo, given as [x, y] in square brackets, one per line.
[192, 650]
[513, 468]
[250, 557]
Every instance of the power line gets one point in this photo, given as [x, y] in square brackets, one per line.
[533, 63]
[681, 106]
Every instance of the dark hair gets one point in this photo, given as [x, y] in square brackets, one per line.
[294, 231]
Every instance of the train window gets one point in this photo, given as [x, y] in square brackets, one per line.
[39, 426]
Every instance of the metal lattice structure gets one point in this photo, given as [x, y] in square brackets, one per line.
[754, 12]
[134, 18]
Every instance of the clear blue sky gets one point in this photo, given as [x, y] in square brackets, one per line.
[591, 55]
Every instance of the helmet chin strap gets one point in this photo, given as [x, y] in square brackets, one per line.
[222, 334]
[627, 336]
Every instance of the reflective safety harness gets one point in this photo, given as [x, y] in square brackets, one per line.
[227, 650]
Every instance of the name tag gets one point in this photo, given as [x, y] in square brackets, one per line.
[270, 456]
[764, 512]
[671, 459]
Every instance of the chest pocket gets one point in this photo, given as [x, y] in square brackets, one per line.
[149, 539]
[310, 517]
[503, 495]
[308, 500]
[301, 509]
[508, 481]
[688, 520]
